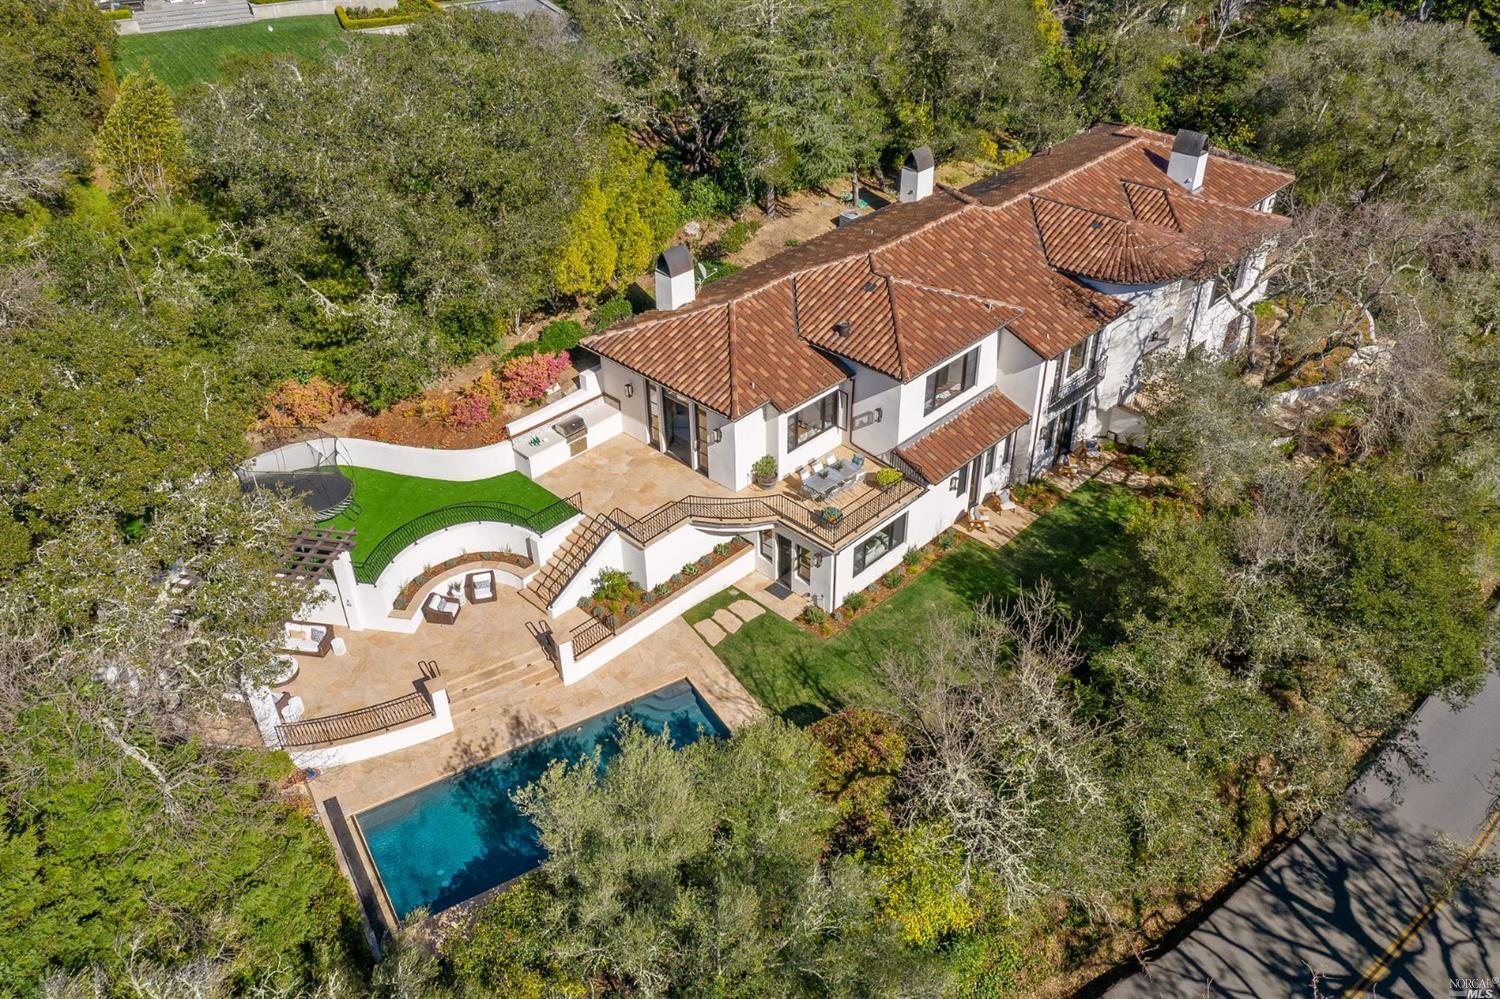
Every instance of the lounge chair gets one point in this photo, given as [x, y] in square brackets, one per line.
[479, 587]
[440, 609]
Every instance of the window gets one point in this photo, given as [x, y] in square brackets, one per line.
[989, 461]
[1071, 361]
[1006, 447]
[804, 565]
[765, 544]
[961, 480]
[1047, 434]
[810, 421]
[887, 539]
[952, 379]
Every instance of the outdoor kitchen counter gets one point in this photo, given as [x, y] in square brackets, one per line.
[543, 448]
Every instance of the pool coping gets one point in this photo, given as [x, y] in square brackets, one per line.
[366, 857]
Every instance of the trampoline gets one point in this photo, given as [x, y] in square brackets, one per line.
[306, 471]
[326, 492]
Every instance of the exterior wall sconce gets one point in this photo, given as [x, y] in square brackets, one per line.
[629, 390]
[714, 436]
[818, 560]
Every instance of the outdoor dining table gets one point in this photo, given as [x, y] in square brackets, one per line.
[831, 480]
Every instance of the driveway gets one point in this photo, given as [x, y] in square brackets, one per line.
[1357, 906]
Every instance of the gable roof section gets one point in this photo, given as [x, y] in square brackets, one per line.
[940, 451]
[919, 281]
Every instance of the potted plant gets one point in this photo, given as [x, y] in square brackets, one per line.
[763, 471]
[831, 515]
[887, 477]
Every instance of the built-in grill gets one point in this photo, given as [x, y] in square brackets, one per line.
[573, 430]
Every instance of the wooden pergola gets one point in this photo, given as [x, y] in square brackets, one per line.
[311, 551]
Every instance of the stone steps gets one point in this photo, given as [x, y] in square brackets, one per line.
[569, 560]
[207, 14]
[510, 682]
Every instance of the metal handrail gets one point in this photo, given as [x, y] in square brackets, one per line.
[353, 724]
[368, 569]
[556, 576]
[590, 635]
[743, 511]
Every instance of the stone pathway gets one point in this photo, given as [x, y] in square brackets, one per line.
[727, 620]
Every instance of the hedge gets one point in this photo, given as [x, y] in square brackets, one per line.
[121, 14]
[355, 22]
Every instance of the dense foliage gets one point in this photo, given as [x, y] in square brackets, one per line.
[302, 237]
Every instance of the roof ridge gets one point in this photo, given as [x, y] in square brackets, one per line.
[1152, 135]
[1086, 211]
[890, 301]
[729, 350]
[924, 286]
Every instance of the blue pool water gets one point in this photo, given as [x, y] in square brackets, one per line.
[462, 835]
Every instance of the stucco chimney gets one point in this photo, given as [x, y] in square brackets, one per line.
[1189, 160]
[674, 278]
[916, 174]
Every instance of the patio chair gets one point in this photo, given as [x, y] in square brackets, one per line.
[290, 708]
[830, 459]
[440, 609]
[306, 638]
[479, 587]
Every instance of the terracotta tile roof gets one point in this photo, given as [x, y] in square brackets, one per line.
[732, 358]
[1119, 251]
[940, 451]
[917, 282]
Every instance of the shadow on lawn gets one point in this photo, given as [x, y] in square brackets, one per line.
[1081, 548]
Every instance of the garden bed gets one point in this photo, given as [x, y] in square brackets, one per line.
[617, 599]
[825, 624]
[411, 589]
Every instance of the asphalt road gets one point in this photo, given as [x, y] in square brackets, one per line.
[1362, 897]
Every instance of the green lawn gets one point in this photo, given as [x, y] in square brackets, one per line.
[1080, 546]
[182, 58]
[388, 500]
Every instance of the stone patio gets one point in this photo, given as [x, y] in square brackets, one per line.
[673, 653]
[623, 472]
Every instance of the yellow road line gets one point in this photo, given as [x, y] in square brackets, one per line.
[1382, 965]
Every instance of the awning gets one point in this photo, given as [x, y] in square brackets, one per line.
[939, 452]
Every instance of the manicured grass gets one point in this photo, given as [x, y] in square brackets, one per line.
[199, 55]
[1080, 546]
[388, 500]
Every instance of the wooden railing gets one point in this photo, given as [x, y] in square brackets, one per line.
[368, 569]
[353, 724]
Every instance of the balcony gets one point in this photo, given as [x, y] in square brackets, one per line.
[1072, 389]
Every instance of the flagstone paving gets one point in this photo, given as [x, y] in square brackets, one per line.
[727, 620]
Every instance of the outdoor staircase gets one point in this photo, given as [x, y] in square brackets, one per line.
[512, 682]
[193, 14]
[569, 559]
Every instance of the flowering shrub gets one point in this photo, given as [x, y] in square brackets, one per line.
[471, 411]
[303, 404]
[527, 379]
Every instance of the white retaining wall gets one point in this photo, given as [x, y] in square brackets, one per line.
[440, 724]
[424, 462]
[726, 574]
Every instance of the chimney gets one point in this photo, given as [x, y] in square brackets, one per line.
[1189, 160]
[674, 278]
[916, 175]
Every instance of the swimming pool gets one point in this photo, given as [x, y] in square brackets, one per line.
[462, 835]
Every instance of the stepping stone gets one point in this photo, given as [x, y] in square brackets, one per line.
[727, 621]
[711, 632]
[747, 610]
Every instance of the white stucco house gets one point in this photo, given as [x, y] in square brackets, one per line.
[967, 337]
